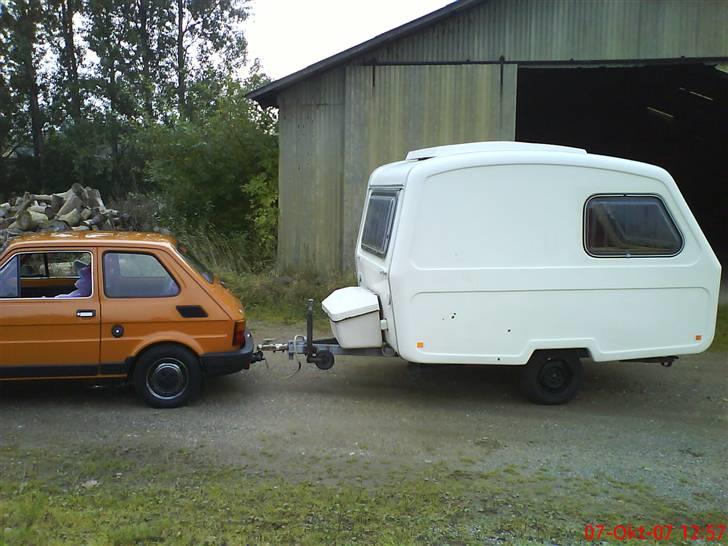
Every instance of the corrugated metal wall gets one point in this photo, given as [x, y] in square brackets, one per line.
[311, 128]
[537, 30]
[338, 126]
[391, 110]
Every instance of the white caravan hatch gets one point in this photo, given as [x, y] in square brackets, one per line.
[528, 255]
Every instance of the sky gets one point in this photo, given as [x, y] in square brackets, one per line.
[287, 35]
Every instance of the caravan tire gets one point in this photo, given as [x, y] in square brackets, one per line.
[551, 377]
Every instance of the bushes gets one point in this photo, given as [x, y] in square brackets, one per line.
[220, 174]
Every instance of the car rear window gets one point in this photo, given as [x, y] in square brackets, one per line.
[131, 275]
[195, 264]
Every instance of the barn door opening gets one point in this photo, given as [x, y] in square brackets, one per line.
[674, 116]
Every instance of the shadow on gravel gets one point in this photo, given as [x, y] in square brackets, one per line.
[385, 381]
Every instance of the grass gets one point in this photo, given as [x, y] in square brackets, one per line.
[152, 497]
[720, 342]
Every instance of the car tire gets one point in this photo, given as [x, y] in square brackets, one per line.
[551, 377]
[168, 376]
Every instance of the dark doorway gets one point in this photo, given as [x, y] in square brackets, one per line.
[673, 116]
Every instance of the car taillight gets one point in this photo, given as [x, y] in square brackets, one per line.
[239, 333]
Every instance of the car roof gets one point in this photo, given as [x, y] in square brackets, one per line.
[92, 239]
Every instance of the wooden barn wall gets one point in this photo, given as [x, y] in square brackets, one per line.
[392, 110]
[539, 30]
[311, 129]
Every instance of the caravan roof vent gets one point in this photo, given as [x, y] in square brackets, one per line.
[473, 147]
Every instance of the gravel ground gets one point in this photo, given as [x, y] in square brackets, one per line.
[636, 423]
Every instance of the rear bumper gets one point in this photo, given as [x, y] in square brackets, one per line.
[229, 362]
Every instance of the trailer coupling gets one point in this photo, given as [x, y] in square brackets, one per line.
[318, 351]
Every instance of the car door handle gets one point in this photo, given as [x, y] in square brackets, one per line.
[86, 313]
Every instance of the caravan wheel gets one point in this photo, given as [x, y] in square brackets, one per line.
[551, 377]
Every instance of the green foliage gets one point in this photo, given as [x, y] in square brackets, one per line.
[135, 98]
[219, 174]
[79, 81]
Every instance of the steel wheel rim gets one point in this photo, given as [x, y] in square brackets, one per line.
[167, 378]
[555, 375]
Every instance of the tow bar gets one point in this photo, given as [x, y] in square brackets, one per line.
[319, 351]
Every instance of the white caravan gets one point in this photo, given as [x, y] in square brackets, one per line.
[510, 253]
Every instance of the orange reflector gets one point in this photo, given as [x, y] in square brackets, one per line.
[698, 338]
[420, 344]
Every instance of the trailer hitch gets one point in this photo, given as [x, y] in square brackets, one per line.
[323, 359]
[319, 351]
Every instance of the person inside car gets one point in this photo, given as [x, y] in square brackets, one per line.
[83, 284]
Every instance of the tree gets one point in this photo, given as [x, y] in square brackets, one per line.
[209, 43]
[67, 89]
[20, 22]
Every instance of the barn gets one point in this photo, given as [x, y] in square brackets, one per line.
[641, 79]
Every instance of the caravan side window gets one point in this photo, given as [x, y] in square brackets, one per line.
[378, 223]
[629, 225]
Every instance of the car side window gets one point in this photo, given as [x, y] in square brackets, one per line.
[48, 275]
[136, 275]
[9, 285]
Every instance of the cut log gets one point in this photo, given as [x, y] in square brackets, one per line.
[79, 190]
[42, 198]
[22, 203]
[86, 214]
[94, 199]
[74, 202]
[72, 219]
[38, 208]
[28, 220]
[95, 221]
[57, 200]
[54, 226]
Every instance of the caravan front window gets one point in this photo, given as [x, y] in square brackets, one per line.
[630, 225]
[378, 223]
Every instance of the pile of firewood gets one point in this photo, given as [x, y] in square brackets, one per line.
[78, 209]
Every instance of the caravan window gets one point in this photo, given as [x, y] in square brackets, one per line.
[630, 225]
[378, 223]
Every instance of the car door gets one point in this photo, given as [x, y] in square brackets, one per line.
[49, 314]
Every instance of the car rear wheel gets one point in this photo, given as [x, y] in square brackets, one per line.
[168, 376]
[551, 377]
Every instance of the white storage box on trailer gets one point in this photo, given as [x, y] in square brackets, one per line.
[354, 316]
[527, 254]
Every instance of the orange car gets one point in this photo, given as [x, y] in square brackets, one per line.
[136, 306]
